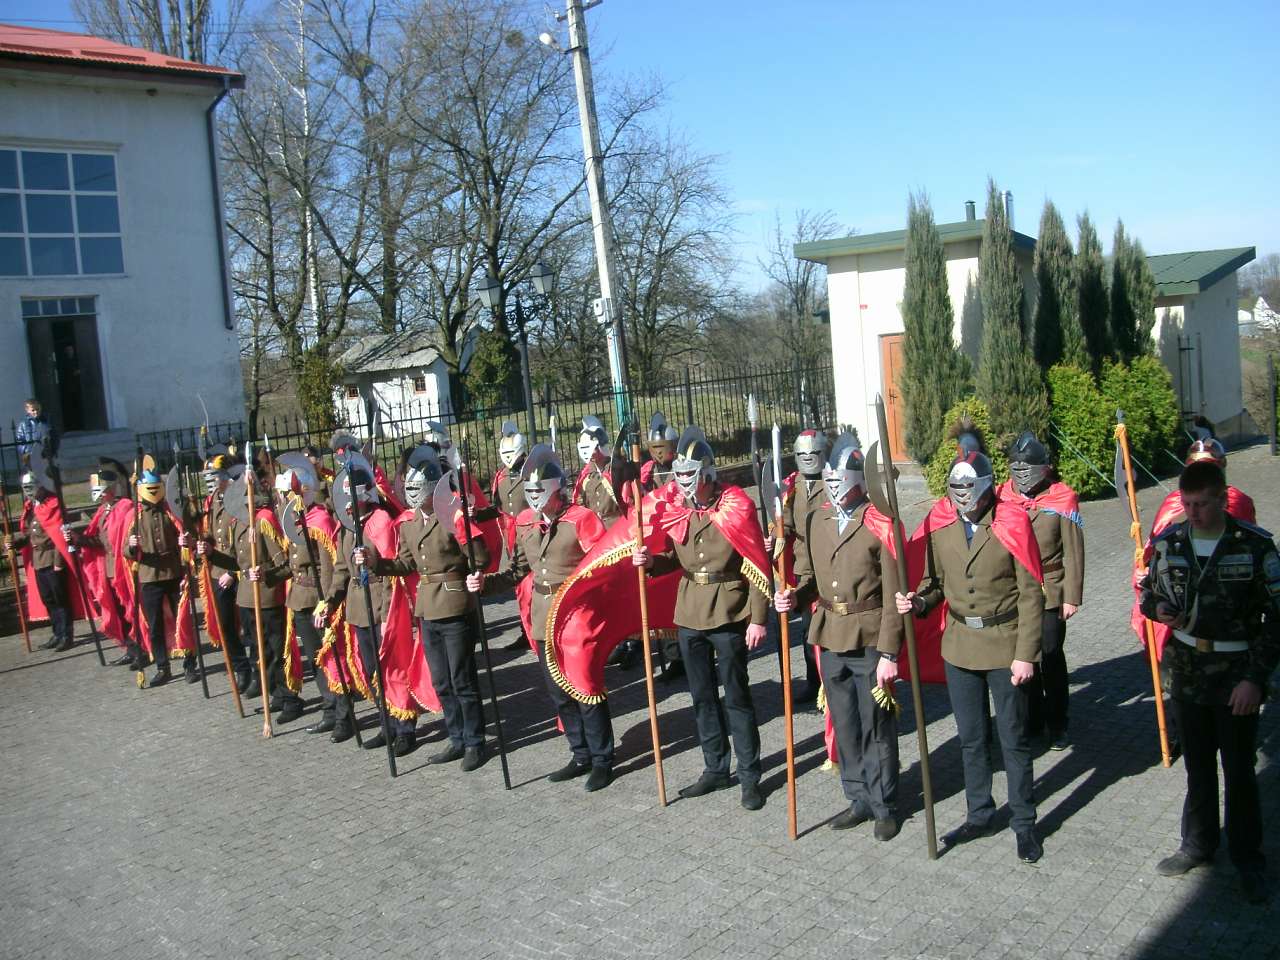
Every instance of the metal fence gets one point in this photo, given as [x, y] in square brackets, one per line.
[715, 400]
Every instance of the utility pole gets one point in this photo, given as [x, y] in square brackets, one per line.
[601, 222]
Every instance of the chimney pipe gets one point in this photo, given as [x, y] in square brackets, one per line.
[1008, 207]
[970, 211]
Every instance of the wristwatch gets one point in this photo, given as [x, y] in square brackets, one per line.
[891, 657]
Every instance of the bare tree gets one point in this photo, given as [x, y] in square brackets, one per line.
[186, 29]
[802, 332]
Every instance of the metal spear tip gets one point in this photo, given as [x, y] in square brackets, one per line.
[753, 415]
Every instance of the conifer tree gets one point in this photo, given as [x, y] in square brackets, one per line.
[1009, 381]
[1124, 334]
[935, 374]
[1057, 336]
[1091, 294]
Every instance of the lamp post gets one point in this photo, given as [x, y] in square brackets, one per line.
[543, 281]
[609, 310]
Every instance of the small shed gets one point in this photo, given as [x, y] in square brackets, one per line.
[401, 375]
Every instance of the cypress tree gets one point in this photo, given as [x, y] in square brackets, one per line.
[1009, 380]
[935, 375]
[1124, 334]
[1057, 336]
[1142, 295]
[1091, 294]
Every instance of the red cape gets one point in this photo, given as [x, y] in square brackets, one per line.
[598, 606]
[94, 563]
[1057, 498]
[1239, 505]
[1010, 525]
[49, 515]
[213, 624]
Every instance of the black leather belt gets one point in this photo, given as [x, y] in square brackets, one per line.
[843, 609]
[981, 623]
[704, 577]
[1053, 567]
[442, 578]
[547, 590]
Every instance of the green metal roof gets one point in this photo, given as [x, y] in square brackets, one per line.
[1196, 270]
[821, 251]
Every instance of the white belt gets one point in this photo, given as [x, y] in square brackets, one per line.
[1219, 646]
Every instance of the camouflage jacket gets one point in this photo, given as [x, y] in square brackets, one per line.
[1233, 597]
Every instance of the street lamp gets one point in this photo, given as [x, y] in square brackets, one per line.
[490, 293]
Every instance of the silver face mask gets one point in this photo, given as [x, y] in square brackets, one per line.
[840, 482]
[538, 493]
[1028, 477]
[587, 447]
[966, 489]
[29, 486]
[419, 485]
[215, 481]
[810, 453]
[692, 468]
[511, 449]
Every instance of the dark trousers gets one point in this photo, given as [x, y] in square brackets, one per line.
[369, 658]
[587, 726]
[309, 638]
[273, 640]
[714, 658]
[154, 597]
[450, 646]
[51, 584]
[799, 635]
[1207, 731]
[968, 690]
[1048, 692]
[224, 602]
[866, 734]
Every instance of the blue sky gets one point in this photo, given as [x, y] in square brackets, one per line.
[1162, 114]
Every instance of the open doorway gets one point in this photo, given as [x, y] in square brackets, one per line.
[66, 368]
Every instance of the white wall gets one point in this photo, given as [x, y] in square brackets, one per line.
[1212, 315]
[396, 398]
[160, 326]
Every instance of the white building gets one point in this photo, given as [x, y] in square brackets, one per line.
[114, 305]
[866, 277]
[402, 375]
[1197, 333]
[1196, 320]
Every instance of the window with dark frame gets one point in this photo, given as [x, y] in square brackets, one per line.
[59, 214]
[353, 392]
[419, 384]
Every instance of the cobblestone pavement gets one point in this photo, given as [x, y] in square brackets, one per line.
[140, 824]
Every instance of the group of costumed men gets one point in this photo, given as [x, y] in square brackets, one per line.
[994, 574]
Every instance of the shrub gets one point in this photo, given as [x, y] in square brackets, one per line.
[1084, 422]
[1143, 389]
[940, 463]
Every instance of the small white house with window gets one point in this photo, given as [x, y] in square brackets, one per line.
[115, 311]
[402, 375]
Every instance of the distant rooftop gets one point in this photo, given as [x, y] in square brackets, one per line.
[381, 352]
[822, 251]
[77, 53]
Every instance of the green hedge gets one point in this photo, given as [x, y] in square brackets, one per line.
[940, 463]
[1144, 391]
[1083, 430]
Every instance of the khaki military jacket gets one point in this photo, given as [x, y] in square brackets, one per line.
[346, 582]
[158, 551]
[983, 579]
[706, 551]
[220, 528]
[310, 574]
[509, 493]
[430, 549]
[43, 553]
[806, 497]
[597, 496]
[854, 578]
[272, 558]
[548, 553]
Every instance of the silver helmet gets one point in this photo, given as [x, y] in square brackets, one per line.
[662, 438]
[512, 445]
[844, 471]
[30, 485]
[1029, 464]
[541, 477]
[437, 436]
[695, 462]
[297, 476]
[111, 481]
[214, 472]
[969, 484]
[810, 451]
[593, 437]
[422, 472]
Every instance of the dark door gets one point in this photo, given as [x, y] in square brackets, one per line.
[67, 371]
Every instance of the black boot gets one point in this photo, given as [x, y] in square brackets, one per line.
[189, 671]
[126, 657]
[291, 711]
[342, 732]
[162, 676]
[404, 743]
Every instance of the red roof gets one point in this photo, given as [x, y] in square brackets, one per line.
[61, 50]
